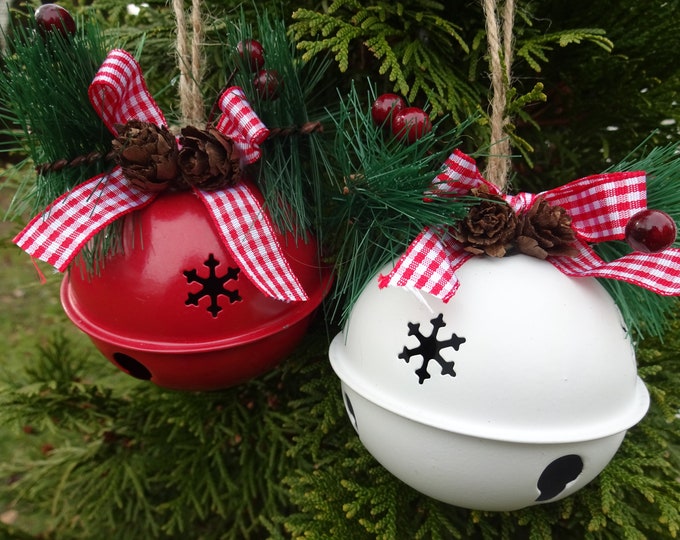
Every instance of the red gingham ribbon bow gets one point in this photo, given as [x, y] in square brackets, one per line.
[599, 206]
[242, 125]
[118, 93]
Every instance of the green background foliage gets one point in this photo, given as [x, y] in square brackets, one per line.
[89, 452]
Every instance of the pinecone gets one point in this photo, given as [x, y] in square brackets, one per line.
[545, 231]
[146, 153]
[489, 226]
[207, 159]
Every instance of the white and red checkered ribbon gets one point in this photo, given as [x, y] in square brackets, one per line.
[119, 94]
[599, 206]
[240, 122]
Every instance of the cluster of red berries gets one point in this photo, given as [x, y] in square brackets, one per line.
[54, 18]
[650, 231]
[267, 82]
[406, 123]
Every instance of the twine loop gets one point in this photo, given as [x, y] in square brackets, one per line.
[499, 25]
[190, 63]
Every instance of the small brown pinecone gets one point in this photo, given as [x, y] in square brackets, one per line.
[545, 230]
[207, 159]
[489, 226]
[146, 153]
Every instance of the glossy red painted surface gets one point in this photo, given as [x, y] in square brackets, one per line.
[136, 312]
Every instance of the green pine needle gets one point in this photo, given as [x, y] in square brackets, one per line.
[412, 43]
[44, 81]
[645, 312]
[381, 204]
[291, 171]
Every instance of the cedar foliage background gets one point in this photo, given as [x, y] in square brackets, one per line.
[277, 457]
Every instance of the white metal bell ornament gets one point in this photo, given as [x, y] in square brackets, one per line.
[516, 392]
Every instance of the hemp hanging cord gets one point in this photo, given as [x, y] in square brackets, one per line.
[500, 59]
[190, 63]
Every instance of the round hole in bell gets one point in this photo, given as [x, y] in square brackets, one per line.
[557, 475]
[132, 366]
[350, 411]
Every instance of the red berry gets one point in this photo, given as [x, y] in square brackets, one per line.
[51, 17]
[252, 53]
[47, 449]
[268, 83]
[410, 124]
[386, 105]
[650, 231]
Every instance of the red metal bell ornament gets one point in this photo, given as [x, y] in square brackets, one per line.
[176, 309]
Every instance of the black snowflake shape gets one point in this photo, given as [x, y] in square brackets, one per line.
[212, 286]
[430, 348]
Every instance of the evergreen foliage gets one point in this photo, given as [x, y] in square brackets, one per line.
[293, 167]
[429, 53]
[277, 457]
[412, 43]
[535, 48]
[599, 104]
[378, 205]
[44, 86]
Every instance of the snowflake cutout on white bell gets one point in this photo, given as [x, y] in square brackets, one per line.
[500, 383]
[524, 396]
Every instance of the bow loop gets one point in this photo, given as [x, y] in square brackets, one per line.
[429, 265]
[459, 175]
[240, 123]
[118, 92]
[601, 205]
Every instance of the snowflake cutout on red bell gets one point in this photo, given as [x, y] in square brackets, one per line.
[430, 348]
[213, 286]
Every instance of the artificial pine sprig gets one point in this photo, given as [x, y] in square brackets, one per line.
[383, 199]
[647, 313]
[662, 166]
[46, 109]
[292, 169]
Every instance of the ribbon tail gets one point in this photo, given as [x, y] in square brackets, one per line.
[429, 264]
[248, 234]
[657, 272]
[57, 235]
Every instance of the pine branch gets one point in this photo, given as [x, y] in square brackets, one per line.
[379, 206]
[291, 172]
[535, 48]
[44, 81]
[318, 24]
[390, 64]
[646, 313]
[413, 43]
[173, 464]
